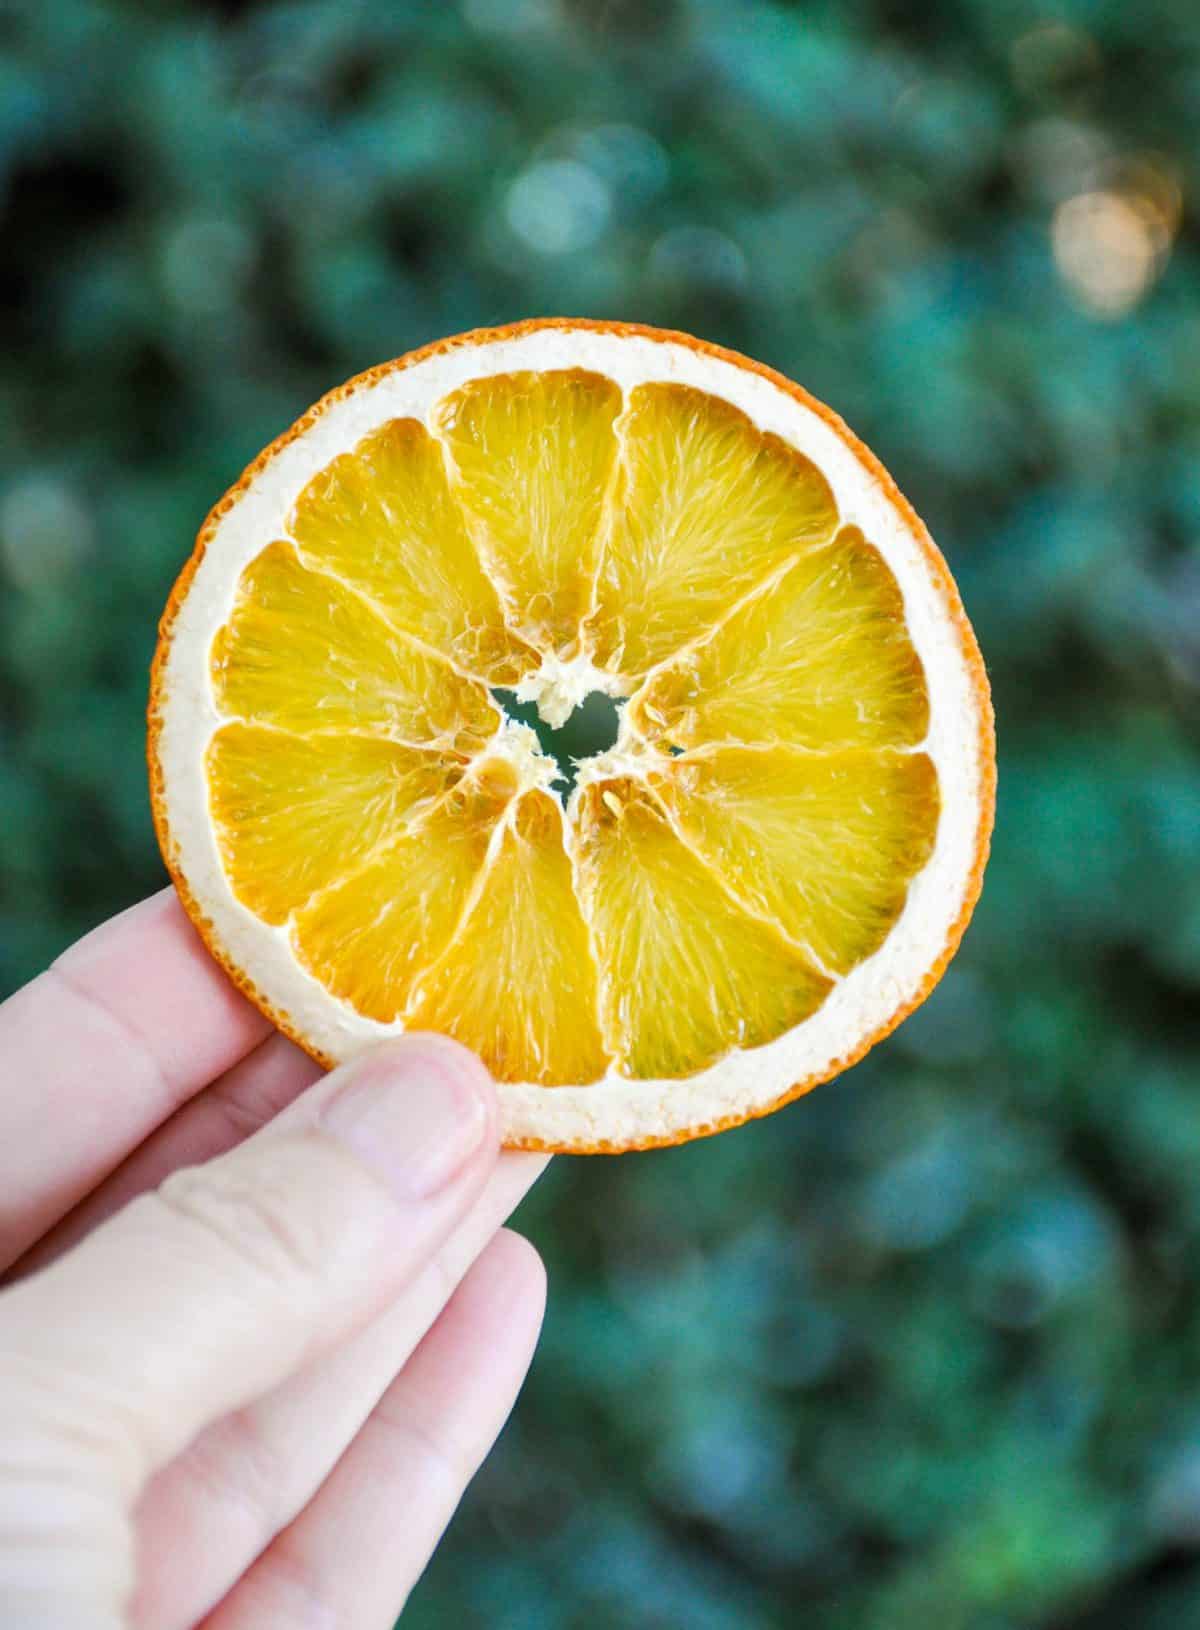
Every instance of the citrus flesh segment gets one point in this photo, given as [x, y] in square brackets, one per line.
[705, 506]
[382, 518]
[823, 844]
[518, 982]
[367, 937]
[820, 657]
[686, 973]
[345, 668]
[293, 813]
[531, 456]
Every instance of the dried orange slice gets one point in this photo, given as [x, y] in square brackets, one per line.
[377, 673]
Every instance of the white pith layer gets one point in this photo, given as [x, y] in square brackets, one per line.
[616, 1111]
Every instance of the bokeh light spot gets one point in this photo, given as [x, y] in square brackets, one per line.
[45, 532]
[558, 205]
[1107, 251]
[1112, 241]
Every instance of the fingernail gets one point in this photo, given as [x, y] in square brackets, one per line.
[415, 1112]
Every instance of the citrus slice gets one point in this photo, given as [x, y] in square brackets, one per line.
[379, 768]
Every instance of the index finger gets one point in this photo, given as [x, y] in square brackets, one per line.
[100, 1049]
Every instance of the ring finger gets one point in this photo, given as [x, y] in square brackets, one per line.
[205, 1518]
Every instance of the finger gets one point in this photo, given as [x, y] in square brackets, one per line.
[355, 1553]
[205, 1518]
[236, 1105]
[198, 1298]
[100, 1049]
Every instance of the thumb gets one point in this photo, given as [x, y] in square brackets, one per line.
[202, 1296]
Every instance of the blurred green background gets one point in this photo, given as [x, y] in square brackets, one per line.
[923, 1349]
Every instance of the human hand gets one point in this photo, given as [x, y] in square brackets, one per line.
[259, 1327]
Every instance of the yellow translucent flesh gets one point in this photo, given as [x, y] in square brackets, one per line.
[825, 845]
[382, 518]
[686, 974]
[294, 813]
[531, 456]
[305, 653]
[820, 658]
[368, 937]
[707, 505]
[712, 903]
[518, 983]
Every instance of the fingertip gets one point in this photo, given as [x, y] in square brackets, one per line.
[451, 1062]
[420, 1111]
[511, 1276]
[450, 1054]
[521, 1259]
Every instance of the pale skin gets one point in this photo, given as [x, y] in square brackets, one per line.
[258, 1325]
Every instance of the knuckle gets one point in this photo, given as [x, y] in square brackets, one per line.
[254, 1211]
[52, 1413]
[65, 1538]
[292, 1591]
[436, 1459]
[237, 1466]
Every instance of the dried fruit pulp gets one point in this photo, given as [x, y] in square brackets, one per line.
[750, 839]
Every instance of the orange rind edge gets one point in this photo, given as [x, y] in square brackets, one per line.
[938, 571]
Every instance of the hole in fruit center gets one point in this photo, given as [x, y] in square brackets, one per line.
[592, 728]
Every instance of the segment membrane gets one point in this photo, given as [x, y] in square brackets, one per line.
[292, 813]
[709, 904]
[368, 937]
[820, 658]
[382, 518]
[825, 845]
[706, 506]
[685, 973]
[531, 455]
[303, 652]
[518, 983]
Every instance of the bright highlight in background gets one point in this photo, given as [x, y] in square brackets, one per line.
[1112, 243]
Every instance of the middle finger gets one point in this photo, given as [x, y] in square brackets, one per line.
[205, 1518]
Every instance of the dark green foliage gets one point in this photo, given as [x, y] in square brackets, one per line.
[923, 1350]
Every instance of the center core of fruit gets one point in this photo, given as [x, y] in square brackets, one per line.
[589, 729]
